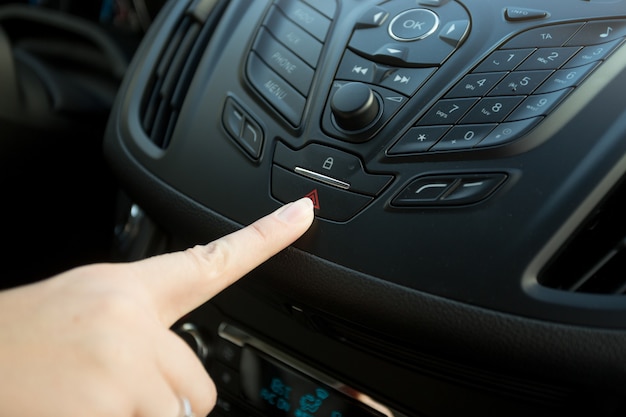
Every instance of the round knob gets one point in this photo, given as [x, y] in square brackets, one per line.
[354, 106]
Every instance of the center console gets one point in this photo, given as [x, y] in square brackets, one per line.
[463, 158]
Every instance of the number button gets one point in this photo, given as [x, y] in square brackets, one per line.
[593, 54]
[520, 83]
[475, 85]
[492, 110]
[504, 60]
[566, 78]
[538, 105]
[548, 58]
[447, 111]
[463, 137]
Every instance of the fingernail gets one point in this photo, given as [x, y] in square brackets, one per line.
[296, 211]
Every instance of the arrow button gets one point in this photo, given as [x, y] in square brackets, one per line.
[392, 54]
[374, 17]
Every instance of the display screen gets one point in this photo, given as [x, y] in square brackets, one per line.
[280, 391]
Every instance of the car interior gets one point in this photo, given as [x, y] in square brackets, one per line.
[466, 160]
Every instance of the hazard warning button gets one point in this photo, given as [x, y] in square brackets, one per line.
[330, 202]
[315, 198]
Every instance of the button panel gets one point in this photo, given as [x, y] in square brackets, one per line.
[294, 37]
[281, 65]
[395, 48]
[403, 80]
[306, 17]
[335, 180]
[278, 92]
[284, 62]
[412, 35]
[514, 88]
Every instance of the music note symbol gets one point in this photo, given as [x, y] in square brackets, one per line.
[606, 34]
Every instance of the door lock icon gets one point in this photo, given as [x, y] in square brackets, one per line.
[328, 163]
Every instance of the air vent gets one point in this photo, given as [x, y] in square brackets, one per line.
[594, 261]
[175, 69]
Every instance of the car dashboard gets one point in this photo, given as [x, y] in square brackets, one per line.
[466, 162]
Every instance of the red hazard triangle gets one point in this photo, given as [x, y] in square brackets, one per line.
[314, 198]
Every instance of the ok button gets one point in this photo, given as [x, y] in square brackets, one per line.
[414, 24]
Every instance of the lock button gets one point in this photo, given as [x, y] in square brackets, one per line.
[329, 162]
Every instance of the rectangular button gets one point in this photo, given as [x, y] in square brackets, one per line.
[548, 36]
[599, 32]
[328, 7]
[276, 90]
[292, 36]
[306, 17]
[284, 62]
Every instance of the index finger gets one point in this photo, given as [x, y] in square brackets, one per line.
[181, 281]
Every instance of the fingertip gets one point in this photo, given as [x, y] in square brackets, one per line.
[297, 212]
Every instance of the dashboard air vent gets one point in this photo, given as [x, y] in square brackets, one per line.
[594, 261]
[175, 68]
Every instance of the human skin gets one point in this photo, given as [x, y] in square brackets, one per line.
[95, 341]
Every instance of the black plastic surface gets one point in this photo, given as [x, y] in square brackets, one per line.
[436, 276]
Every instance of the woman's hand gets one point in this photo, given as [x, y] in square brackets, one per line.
[95, 341]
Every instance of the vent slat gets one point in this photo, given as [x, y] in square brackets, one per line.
[159, 128]
[178, 62]
[188, 70]
[173, 45]
[175, 68]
